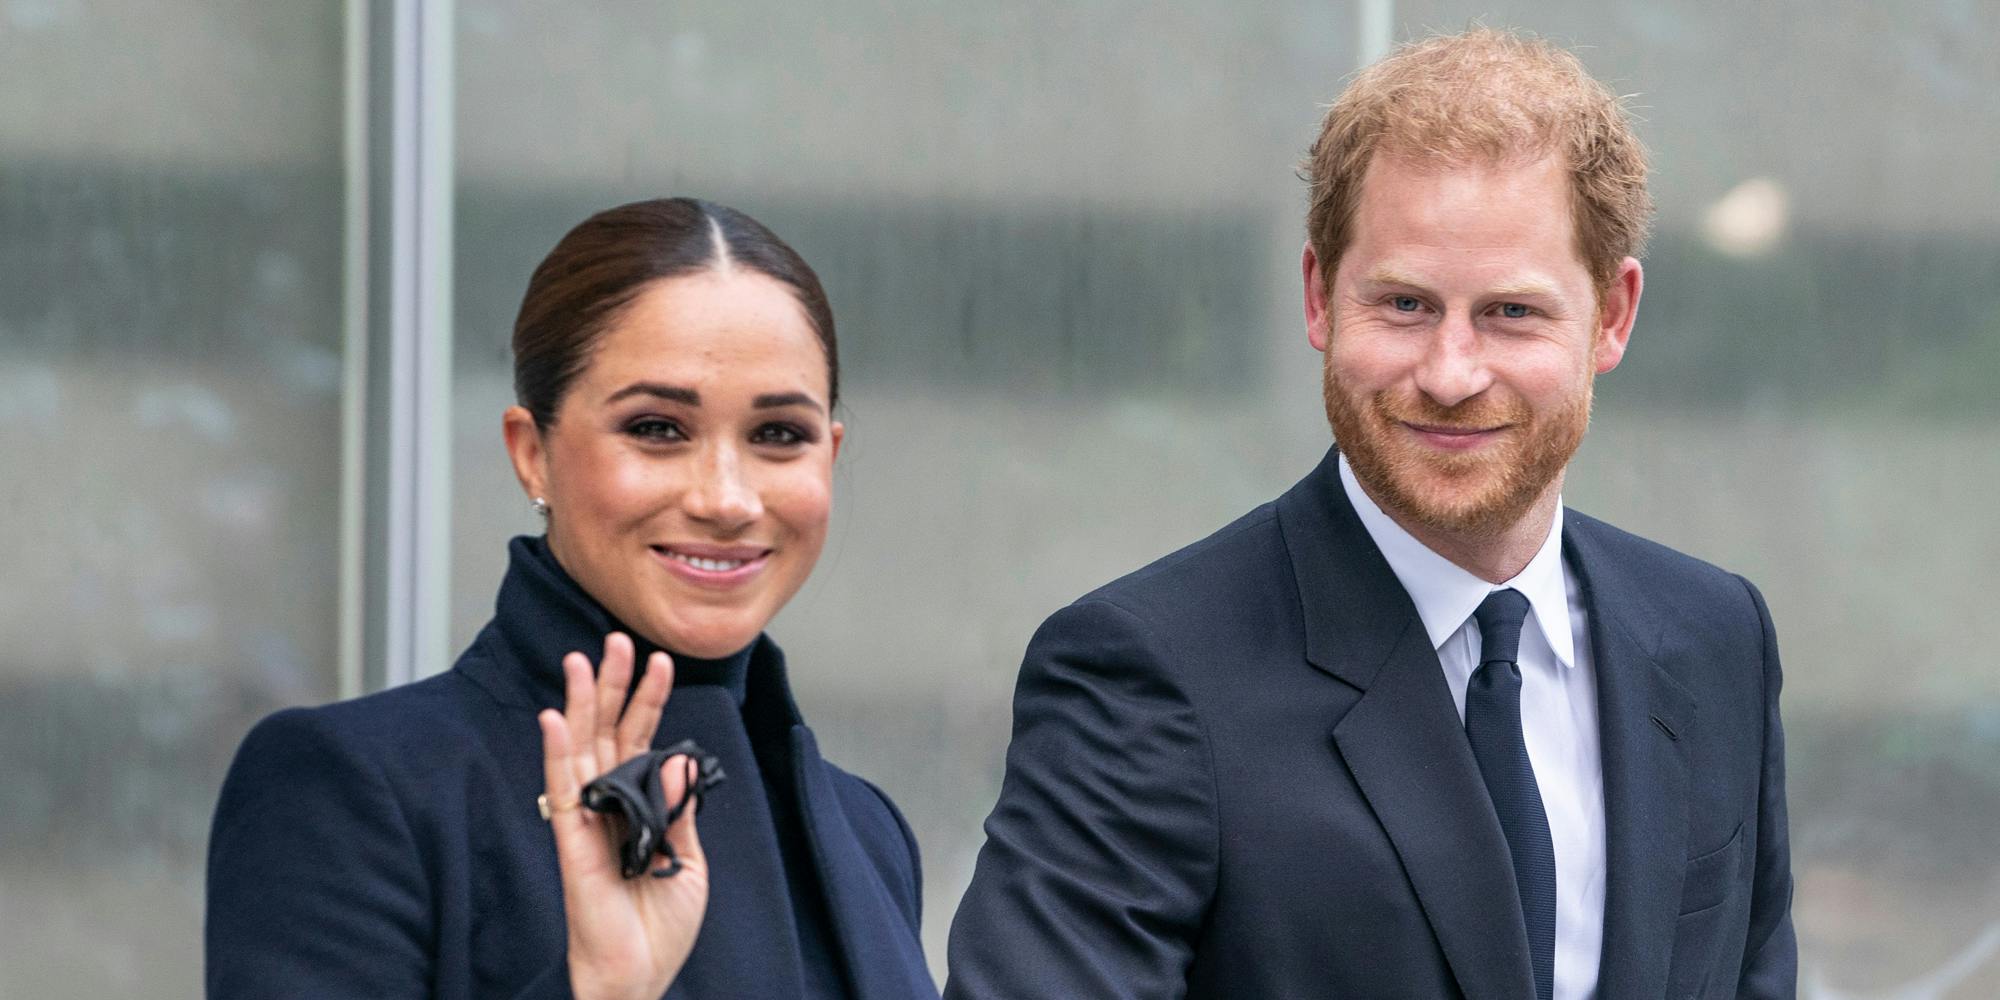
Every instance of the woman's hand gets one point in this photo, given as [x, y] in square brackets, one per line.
[628, 938]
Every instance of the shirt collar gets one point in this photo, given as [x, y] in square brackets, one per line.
[1446, 594]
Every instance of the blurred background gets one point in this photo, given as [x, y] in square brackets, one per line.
[259, 263]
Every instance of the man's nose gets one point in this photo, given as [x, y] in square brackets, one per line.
[722, 496]
[1453, 368]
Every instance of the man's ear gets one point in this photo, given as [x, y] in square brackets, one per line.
[1617, 314]
[524, 449]
[1318, 323]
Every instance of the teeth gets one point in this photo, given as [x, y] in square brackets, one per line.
[708, 565]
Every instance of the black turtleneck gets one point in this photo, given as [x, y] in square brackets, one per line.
[767, 916]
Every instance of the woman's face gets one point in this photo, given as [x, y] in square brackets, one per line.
[689, 469]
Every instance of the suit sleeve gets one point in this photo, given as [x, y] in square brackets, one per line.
[315, 886]
[1770, 955]
[1100, 856]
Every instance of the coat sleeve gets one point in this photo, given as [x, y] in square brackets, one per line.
[1770, 955]
[1100, 856]
[315, 883]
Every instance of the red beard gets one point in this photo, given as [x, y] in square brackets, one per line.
[1479, 493]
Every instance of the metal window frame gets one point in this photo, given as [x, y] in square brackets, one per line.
[395, 525]
[1375, 31]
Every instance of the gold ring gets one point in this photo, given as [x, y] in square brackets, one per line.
[542, 806]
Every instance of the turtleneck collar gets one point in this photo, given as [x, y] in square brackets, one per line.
[542, 614]
[731, 672]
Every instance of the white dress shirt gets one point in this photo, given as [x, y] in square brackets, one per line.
[1558, 709]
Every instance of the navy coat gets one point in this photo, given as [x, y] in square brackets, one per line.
[390, 846]
[1238, 773]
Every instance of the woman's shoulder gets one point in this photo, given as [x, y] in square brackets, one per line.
[434, 710]
[862, 799]
[885, 836]
[413, 734]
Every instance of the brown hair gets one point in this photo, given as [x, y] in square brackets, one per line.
[601, 265]
[1484, 95]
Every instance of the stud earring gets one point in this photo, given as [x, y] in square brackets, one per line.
[540, 506]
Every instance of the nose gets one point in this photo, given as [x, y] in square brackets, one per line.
[1453, 368]
[722, 495]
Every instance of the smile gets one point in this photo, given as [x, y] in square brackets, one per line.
[712, 566]
[1454, 438]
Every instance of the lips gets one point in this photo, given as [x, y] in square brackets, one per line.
[719, 566]
[1451, 438]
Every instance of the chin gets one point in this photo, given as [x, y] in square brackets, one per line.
[707, 639]
[1485, 496]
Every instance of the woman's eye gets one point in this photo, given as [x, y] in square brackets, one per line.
[1405, 303]
[1514, 310]
[655, 429]
[779, 434]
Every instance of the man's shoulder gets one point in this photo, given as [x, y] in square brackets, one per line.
[1608, 539]
[1680, 585]
[1236, 565]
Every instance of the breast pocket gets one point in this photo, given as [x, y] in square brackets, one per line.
[1705, 887]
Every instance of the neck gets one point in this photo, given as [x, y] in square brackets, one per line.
[1495, 555]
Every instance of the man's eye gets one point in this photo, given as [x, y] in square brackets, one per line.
[1514, 310]
[1405, 303]
[655, 429]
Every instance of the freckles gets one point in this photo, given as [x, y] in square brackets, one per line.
[805, 503]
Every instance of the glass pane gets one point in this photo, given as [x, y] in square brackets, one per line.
[170, 233]
[1811, 399]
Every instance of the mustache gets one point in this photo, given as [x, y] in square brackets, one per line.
[1476, 413]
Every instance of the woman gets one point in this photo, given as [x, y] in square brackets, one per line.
[676, 374]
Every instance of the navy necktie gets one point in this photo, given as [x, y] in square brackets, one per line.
[1493, 727]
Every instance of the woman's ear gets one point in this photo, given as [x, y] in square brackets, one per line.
[524, 449]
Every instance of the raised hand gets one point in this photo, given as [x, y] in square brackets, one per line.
[628, 938]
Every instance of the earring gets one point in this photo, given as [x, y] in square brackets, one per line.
[540, 506]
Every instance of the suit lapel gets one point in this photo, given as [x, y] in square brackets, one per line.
[882, 960]
[1643, 715]
[1402, 740]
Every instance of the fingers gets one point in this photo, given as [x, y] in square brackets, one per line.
[579, 849]
[642, 716]
[579, 716]
[614, 676]
[559, 783]
[676, 775]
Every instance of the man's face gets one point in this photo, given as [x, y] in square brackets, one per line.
[1462, 333]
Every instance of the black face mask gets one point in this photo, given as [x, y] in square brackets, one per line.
[636, 800]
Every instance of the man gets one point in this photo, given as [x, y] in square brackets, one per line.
[1413, 730]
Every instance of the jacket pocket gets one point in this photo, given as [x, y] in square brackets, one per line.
[1704, 889]
[1709, 876]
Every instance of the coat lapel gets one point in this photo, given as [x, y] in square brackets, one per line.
[1402, 740]
[884, 960]
[1643, 715]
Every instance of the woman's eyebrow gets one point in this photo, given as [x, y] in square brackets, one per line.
[773, 399]
[671, 393]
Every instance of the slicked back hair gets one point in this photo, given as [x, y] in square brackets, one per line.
[600, 266]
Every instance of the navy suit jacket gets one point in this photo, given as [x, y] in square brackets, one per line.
[1238, 773]
[390, 846]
